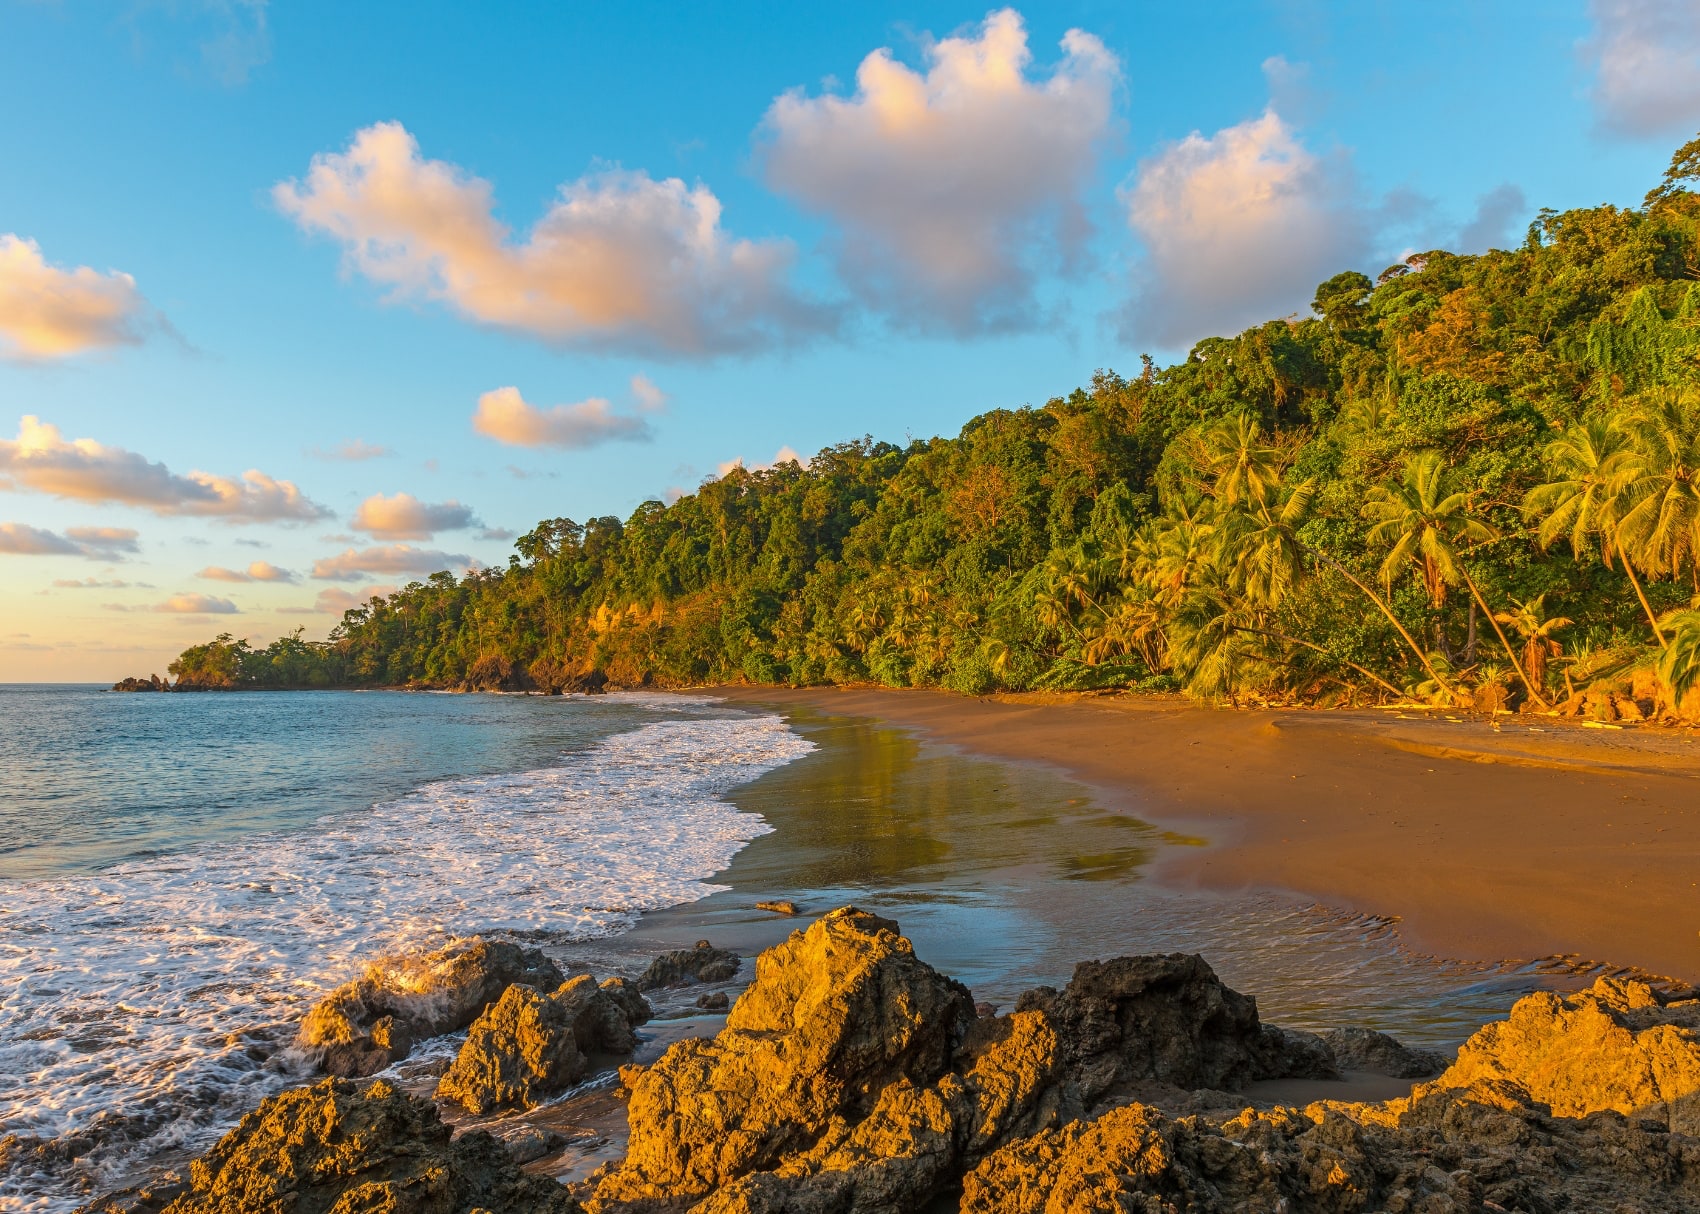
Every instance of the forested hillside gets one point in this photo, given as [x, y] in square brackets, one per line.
[1473, 479]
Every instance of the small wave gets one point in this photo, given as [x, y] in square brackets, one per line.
[142, 1008]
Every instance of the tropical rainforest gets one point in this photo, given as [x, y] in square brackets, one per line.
[1474, 480]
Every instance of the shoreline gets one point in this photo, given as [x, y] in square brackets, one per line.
[1516, 839]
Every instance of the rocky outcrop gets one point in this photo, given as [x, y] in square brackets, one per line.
[152, 683]
[1168, 1020]
[1447, 1157]
[839, 1018]
[851, 1076]
[704, 963]
[336, 1148]
[528, 1045]
[368, 1024]
[1359, 1049]
[1620, 1046]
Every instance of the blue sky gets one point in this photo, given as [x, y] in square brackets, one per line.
[694, 229]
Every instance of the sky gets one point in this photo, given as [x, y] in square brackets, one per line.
[304, 300]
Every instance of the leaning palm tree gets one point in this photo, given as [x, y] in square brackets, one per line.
[1420, 518]
[1537, 632]
[1424, 520]
[1583, 502]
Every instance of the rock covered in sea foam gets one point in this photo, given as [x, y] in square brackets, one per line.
[528, 1045]
[372, 1022]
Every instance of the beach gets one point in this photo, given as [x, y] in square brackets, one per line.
[1531, 839]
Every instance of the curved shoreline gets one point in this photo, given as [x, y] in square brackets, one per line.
[1530, 839]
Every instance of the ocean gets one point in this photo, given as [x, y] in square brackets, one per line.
[182, 876]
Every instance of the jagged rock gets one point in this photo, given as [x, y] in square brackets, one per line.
[1169, 1020]
[704, 963]
[836, 1015]
[1358, 1049]
[714, 1001]
[633, 1004]
[336, 1148]
[1620, 1045]
[852, 1078]
[1440, 1156]
[779, 906]
[371, 1023]
[526, 1045]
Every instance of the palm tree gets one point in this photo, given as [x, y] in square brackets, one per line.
[1679, 665]
[1658, 478]
[1536, 632]
[1245, 467]
[1584, 501]
[1260, 545]
[1425, 520]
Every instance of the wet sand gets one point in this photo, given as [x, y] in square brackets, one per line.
[1539, 838]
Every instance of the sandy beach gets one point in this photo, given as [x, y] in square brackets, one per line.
[1533, 839]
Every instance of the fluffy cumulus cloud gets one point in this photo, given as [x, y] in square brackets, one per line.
[952, 188]
[386, 560]
[182, 604]
[95, 543]
[619, 260]
[1646, 60]
[47, 312]
[41, 460]
[258, 571]
[647, 397]
[1237, 227]
[507, 417]
[405, 517]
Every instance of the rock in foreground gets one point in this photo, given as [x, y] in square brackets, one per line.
[852, 1076]
[335, 1148]
[704, 963]
[526, 1046]
[368, 1024]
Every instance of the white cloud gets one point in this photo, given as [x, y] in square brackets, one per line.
[334, 600]
[954, 188]
[39, 460]
[182, 604]
[405, 517]
[619, 260]
[353, 450]
[47, 312]
[96, 543]
[1236, 228]
[505, 416]
[1646, 60]
[1497, 224]
[387, 559]
[785, 455]
[94, 583]
[649, 398]
[259, 571]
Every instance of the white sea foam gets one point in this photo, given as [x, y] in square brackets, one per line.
[142, 1007]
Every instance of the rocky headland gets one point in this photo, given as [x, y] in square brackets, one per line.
[850, 1077]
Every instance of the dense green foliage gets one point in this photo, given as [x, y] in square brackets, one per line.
[1476, 479]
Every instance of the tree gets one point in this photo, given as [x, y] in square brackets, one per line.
[1420, 518]
[1684, 168]
[1537, 630]
[1657, 477]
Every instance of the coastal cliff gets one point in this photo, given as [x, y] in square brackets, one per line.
[853, 1078]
